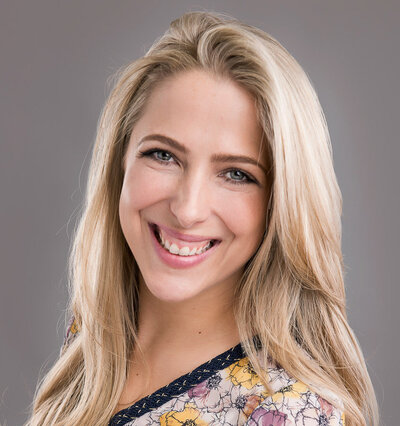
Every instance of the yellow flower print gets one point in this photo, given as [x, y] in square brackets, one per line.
[291, 391]
[242, 373]
[190, 416]
[74, 327]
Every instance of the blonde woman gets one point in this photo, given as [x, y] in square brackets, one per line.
[206, 270]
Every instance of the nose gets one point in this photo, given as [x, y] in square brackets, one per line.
[191, 201]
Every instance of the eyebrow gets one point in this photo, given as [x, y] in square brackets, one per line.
[215, 158]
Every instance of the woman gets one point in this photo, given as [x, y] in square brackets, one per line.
[206, 271]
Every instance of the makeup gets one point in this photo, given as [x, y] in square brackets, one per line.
[175, 260]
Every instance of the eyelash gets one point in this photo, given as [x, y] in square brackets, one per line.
[150, 152]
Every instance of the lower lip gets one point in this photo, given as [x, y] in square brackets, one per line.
[177, 261]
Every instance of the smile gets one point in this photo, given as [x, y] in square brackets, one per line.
[181, 248]
[178, 253]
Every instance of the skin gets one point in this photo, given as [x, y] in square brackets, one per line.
[185, 315]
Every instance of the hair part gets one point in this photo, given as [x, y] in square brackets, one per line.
[291, 295]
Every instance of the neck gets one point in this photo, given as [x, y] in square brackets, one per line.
[204, 321]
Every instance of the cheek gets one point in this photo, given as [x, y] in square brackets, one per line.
[141, 189]
[245, 216]
[137, 193]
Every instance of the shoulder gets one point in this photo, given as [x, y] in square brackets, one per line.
[293, 403]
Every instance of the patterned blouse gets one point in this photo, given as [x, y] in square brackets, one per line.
[226, 391]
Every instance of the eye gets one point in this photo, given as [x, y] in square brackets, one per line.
[160, 155]
[163, 156]
[239, 177]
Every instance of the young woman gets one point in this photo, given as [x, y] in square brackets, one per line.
[206, 270]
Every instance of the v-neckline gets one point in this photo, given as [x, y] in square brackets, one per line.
[178, 386]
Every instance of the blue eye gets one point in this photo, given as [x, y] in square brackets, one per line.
[163, 158]
[238, 177]
[238, 173]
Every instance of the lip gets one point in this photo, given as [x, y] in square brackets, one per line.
[184, 237]
[176, 261]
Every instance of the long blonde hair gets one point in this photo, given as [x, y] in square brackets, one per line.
[291, 294]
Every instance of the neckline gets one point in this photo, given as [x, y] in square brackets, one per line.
[178, 386]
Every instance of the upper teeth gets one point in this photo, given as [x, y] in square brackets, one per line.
[183, 251]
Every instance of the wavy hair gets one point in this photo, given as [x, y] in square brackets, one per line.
[291, 294]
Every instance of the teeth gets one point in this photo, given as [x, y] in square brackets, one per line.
[174, 249]
[184, 251]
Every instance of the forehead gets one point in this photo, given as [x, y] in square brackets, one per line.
[203, 111]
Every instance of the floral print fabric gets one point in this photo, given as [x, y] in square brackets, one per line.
[227, 391]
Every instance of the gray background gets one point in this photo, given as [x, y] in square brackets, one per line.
[56, 58]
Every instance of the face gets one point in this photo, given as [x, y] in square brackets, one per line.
[195, 190]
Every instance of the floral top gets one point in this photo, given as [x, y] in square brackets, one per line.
[226, 391]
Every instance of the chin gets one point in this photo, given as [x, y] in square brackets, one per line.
[173, 293]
